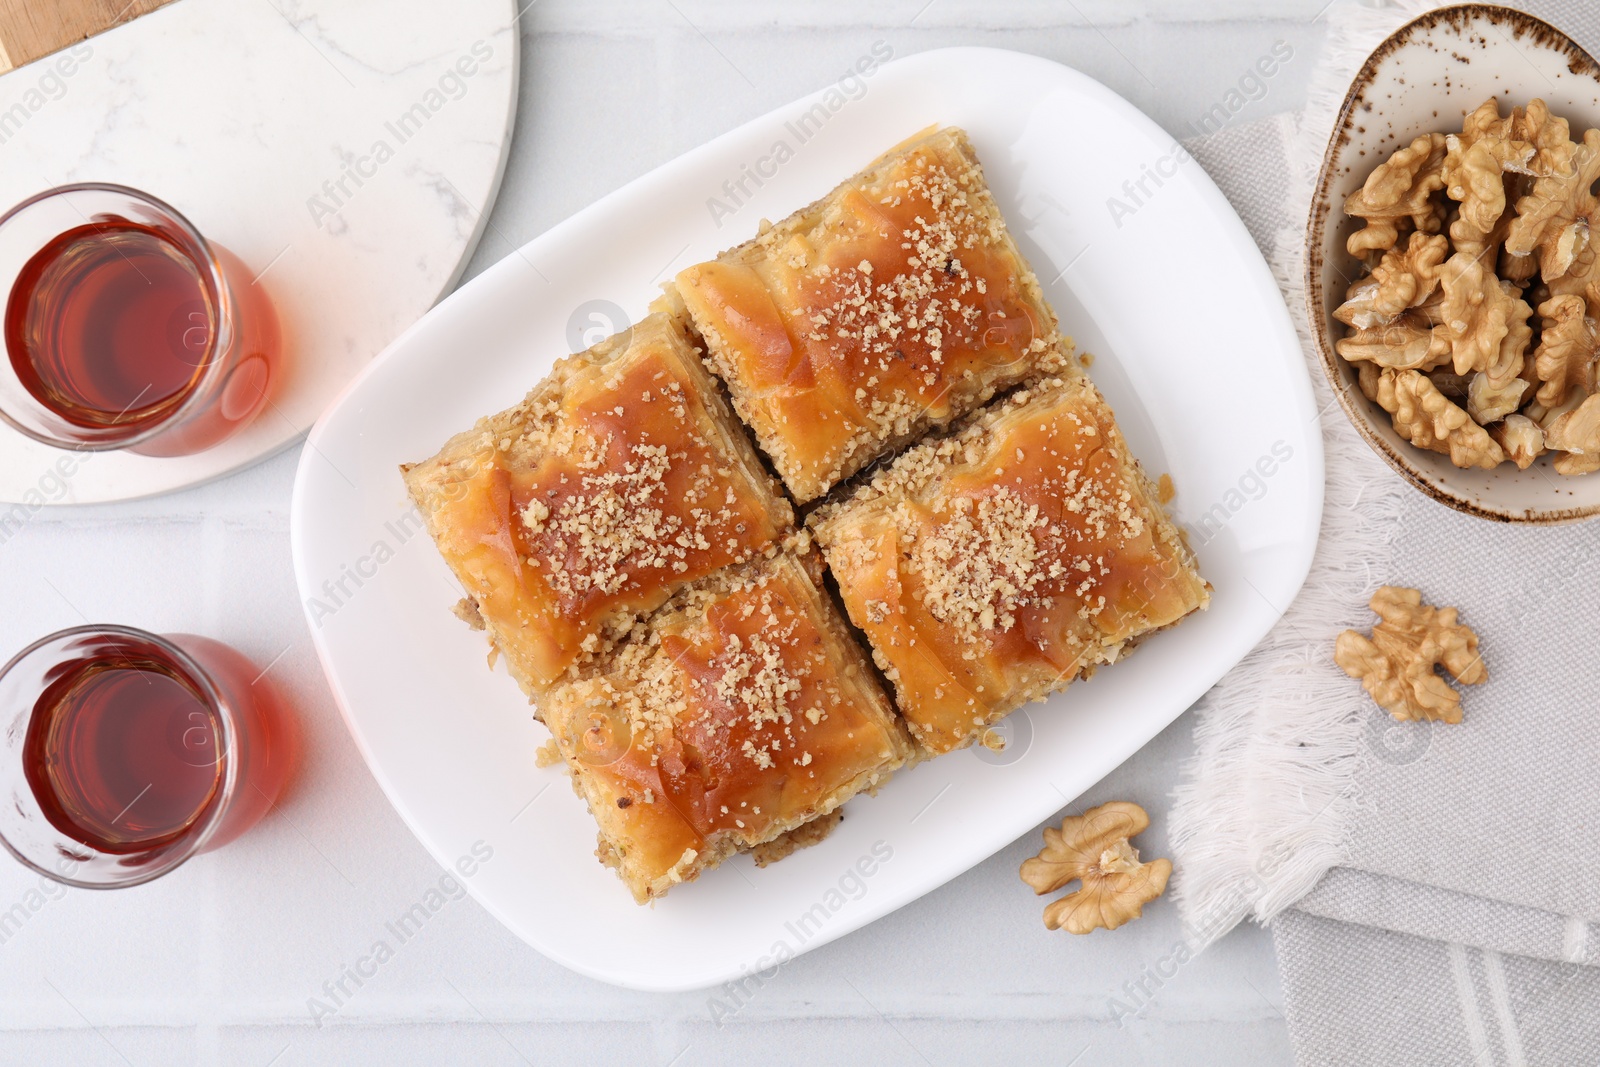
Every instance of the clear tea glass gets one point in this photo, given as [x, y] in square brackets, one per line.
[125, 329]
[125, 753]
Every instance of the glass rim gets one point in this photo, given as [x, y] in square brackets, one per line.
[198, 835]
[213, 279]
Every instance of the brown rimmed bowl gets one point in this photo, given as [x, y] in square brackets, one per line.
[1425, 77]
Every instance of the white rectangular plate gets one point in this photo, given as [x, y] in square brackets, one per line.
[1194, 350]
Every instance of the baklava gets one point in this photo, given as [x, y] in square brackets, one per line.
[620, 478]
[739, 712]
[896, 303]
[998, 564]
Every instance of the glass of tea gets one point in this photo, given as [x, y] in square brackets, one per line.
[125, 328]
[125, 753]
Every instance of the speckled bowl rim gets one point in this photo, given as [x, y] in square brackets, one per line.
[1357, 407]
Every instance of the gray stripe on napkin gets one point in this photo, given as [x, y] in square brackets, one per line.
[1358, 995]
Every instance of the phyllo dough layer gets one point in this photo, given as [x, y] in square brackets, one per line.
[740, 711]
[897, 302]
[997, 565]
[620, 478]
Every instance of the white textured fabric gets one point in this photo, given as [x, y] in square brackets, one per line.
[1443, 853]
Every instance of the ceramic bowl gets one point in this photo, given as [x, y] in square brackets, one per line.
[1426, 77]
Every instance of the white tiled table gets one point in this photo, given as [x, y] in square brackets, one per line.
[216, 964]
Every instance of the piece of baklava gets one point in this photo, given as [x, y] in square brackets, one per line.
[996, 565]
[620, 478]
[895, 303]
[740, 711]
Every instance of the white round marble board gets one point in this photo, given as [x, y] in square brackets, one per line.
[248, 118]
[1195, 352]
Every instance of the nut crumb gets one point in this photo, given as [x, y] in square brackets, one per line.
[466, 609]
[803, 836]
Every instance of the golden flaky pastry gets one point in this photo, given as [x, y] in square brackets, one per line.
[736, 714]
[621, 478]
[1428, 419]
[1398, 664]
[1093, 849]
[896, 304]
[998, 565]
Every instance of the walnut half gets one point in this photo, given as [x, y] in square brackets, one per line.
[1093, 849]
[1426, 417]
[1397, 664]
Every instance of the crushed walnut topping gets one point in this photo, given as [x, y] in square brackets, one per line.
[899, 321]
[906, 304]
[982, 582]
[982, 563]
[620, 522]
[735, 666]
[763, 677]
[978, 560]
[874, 321]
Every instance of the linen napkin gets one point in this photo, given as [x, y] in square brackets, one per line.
[1360, 995]
[1433, 888]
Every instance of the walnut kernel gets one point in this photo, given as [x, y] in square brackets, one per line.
[1426, 417]
[1093, 849]
[1397, 664]
[1465, 235]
